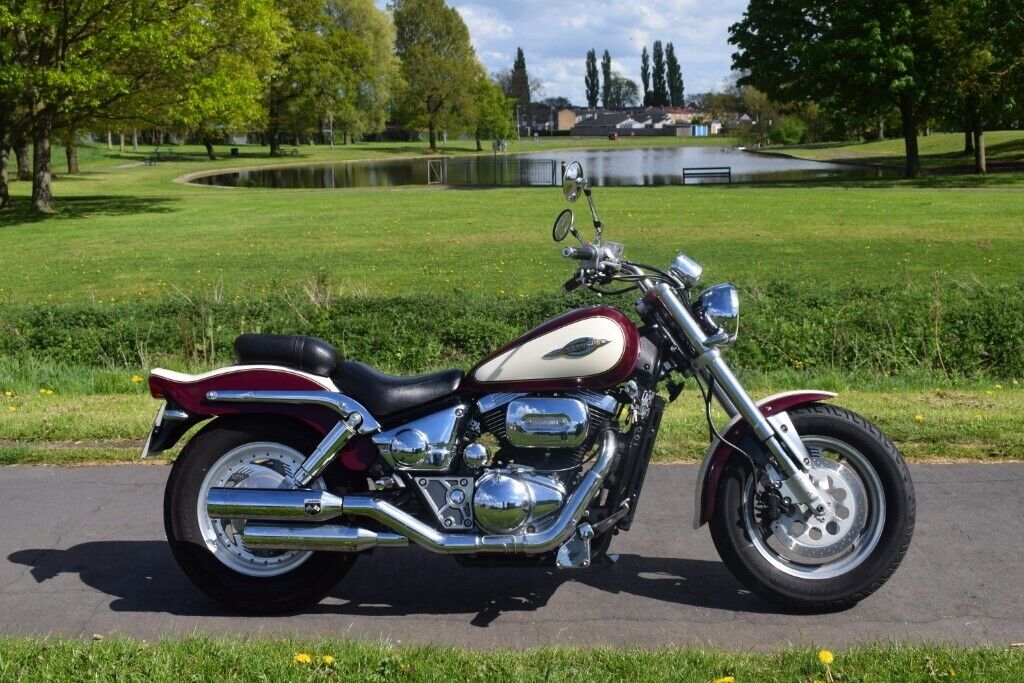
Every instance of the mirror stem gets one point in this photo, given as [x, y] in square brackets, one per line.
[593, 212]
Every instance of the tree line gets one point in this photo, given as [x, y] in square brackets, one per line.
[661, 87]
[958, 61]
[209, 68]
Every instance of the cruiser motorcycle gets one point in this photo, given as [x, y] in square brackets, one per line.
[536, 456]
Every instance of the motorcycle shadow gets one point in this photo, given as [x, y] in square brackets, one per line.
[143, 577]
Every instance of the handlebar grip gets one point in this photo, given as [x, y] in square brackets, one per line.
[582, 253]
[571, 284]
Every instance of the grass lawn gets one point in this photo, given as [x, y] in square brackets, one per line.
[125, 231]
[938, 150]
[969, 422]
[38, 659]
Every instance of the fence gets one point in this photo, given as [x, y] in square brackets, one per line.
[493, 171]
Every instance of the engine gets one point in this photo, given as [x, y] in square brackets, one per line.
[542, 442]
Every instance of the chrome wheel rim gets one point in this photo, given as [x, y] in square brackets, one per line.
[799, 545]
[254, 465]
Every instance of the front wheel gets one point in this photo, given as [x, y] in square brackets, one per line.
[786, 555]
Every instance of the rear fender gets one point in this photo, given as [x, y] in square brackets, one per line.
[736, 431]
[188, 395]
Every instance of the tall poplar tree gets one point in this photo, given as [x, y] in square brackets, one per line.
[675, 76]
[606, 78]
[659, 88]
[645, 75]
[520, 82]
[591, 80]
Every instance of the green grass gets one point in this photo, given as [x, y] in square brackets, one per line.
[959, 422]
[129, 233]
[938, 150]
[64, 659]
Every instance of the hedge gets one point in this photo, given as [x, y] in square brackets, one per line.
[961, 331]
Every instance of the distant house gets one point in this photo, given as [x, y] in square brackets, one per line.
[539, 118]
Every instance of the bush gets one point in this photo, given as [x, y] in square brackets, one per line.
[959, 331]
[791, 130]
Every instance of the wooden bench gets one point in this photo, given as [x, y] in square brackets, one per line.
[708, 172]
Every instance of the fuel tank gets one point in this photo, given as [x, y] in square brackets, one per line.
[590, 348]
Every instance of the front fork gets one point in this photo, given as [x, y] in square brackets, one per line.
[777, 433]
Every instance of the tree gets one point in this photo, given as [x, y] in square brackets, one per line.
[606, 78]
[864, 58]
[438, 65]
[85, 60]
[622, 92]
[494, 117]
[675, 76]
[645, 75]
[520, 82]
[659, 88]
[591, 79]
[558, 102]
[981, 54]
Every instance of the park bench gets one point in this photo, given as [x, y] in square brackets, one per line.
[708, 172]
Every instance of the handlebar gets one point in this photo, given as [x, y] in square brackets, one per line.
[585, 252]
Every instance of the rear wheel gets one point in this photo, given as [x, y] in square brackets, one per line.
[252, 453]
[783, 553]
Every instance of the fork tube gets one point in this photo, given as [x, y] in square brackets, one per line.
[709, 360]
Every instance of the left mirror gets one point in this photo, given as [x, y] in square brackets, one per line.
[563, 226]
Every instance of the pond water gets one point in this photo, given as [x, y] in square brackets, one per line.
[629, 167]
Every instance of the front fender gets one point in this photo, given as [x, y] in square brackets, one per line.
[718, 453]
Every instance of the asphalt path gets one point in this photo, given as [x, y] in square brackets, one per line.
[82, 552]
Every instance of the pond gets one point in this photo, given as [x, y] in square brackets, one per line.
[630, 167]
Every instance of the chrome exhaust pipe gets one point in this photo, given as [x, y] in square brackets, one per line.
[528, 543]
[273, 504]
[317, 506]
[333, 538]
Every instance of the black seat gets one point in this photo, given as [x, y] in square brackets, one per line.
[301, 352]
[385, 395]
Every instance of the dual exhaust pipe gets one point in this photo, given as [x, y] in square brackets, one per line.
[305, 511]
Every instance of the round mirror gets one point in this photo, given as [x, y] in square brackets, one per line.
[563, 226]
[572, 181]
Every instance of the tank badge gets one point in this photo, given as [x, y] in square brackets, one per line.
[311, 506]
[577, 348]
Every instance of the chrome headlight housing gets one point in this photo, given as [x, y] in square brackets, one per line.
[717, 309]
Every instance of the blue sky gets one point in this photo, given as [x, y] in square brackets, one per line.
[556, 45]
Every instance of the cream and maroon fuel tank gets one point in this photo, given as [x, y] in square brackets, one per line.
[590, 348]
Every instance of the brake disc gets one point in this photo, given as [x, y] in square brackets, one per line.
[805, 537]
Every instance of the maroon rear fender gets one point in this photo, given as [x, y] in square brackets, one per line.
[188, 392]
[718, 453]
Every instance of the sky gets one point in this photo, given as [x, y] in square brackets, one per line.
[556, 45]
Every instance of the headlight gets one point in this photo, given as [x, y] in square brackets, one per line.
[718, 310]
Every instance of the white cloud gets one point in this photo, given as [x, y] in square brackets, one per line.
[556, 43]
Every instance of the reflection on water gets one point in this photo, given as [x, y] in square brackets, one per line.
[612, 167]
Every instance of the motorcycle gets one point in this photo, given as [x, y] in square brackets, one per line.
[535, 457]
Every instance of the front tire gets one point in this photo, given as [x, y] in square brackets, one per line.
[208, 550]
[789, 558]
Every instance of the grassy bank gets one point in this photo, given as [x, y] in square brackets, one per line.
[939, 151]
[973, 420]
[328, 660]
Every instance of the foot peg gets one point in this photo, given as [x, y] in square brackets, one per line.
[575, 552]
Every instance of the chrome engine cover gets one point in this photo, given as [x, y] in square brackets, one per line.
[509, 500]
[546, 422]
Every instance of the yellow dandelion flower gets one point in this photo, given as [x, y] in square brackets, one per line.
[49, 392]
[919, 417]
[42, 392]
[136, 379]
[999, 386]
[726, 679]
[825, 657]
[8, 394]
[302, 658]
[12, 408]
[327, 660]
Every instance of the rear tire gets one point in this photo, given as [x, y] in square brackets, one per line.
[290, 591]
[810, 587]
